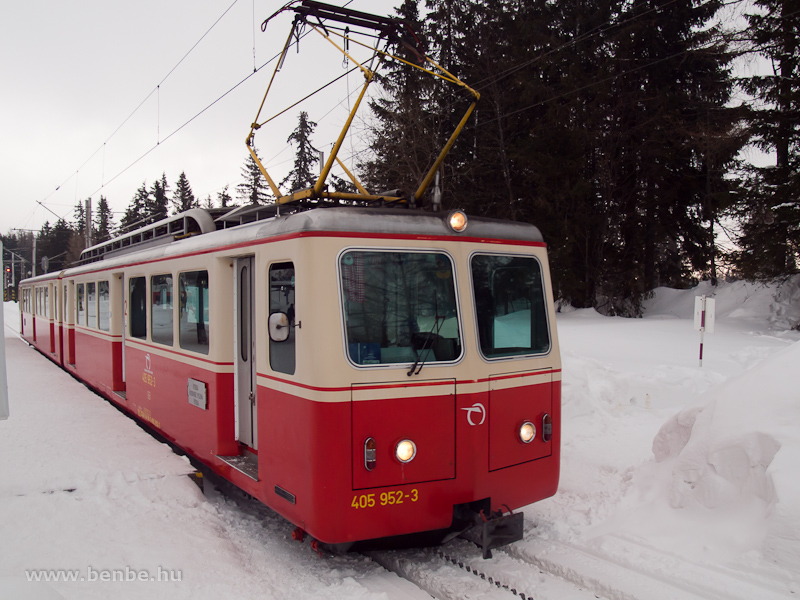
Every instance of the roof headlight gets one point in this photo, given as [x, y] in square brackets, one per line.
[457, 220]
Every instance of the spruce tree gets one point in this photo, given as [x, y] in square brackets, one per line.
[224, 198]
[104, 221]
[136, 214]
[253, 190]
[770, 239]
[607, 123]
[404, 132]
[158, 205]
[302, 175]
[80, 217]
[53, 243]
[668, 114]
[183, 199]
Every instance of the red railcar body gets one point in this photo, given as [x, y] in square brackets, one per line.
[404, 338]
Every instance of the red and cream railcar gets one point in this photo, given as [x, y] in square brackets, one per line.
[366, 373]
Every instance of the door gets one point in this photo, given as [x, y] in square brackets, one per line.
[244, 381]
[123, 312]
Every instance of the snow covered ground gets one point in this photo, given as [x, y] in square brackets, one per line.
[684, 473]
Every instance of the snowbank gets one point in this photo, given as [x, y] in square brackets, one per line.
[756, 302]
[664, 464]
[692, 462]
[738, 450]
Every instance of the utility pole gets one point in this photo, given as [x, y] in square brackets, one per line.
[88, 228]
[3, 375]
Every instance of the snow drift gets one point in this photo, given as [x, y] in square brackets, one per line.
[739, 448]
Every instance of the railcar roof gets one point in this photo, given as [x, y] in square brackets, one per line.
[355, 220]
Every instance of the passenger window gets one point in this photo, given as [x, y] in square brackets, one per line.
[46, 302]
[193, 323]
[281, 299]
[80, 303]
[103, 305]
[91, 305]
[161, 309]
[138, 307]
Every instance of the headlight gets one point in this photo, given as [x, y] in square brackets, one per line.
[527, 431]
[457, 220]
[405, 451]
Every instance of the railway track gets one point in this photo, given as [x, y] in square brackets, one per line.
[457, 571]
[626, 569]
[616, 569]
[610, 567]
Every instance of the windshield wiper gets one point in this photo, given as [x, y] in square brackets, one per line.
[437, 326]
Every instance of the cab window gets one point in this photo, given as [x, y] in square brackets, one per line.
[138, 307]
[399, 307]
[281, 299]
[509, 305]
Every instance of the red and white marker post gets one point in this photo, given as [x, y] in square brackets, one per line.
[3, 380]
[703, 318]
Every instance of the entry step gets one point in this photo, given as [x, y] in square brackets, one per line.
[244, 463]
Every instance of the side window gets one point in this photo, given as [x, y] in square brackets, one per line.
[91, 305]
[281, 299]
[193, 323]
[47, 302]
[80, 304]
[137, 307]
[103, 305]
[161, 309]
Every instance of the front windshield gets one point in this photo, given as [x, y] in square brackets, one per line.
[510, 305]
[399, 307]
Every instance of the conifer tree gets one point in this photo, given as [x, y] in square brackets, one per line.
[224, 198]
[53, 243]
[183, 199]
[158, 206]
[80, 217]
[253, 190]
[605, 122]
[405, 134]
[104, 221]
[770, 240]
[302, 175]
[136, 214]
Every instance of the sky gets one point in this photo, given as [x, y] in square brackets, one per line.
[100, 97]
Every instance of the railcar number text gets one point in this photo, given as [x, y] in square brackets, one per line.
[384, 499]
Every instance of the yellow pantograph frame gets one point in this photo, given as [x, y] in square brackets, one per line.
[318, 191]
